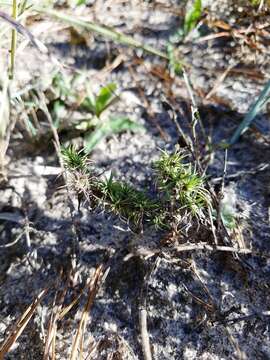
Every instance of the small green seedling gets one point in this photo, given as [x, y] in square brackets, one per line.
[108, 126]
[97, 105]
[192, 17]
[73, 118]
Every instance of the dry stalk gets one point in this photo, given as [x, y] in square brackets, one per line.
[146, 347]
[50, 344]
[21, 324]
[144, 335]
[77, 346]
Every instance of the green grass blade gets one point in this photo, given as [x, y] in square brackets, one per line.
[193, 16]
[254, 110]
[103, 31]
[13, 41]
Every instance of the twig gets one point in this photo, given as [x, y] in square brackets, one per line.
[259, 168]
[13, 40]
[207, 247]
[13, 242]
[220, 80]
[263, 314]
[173, 116]
[240, 354]
[146, 348]
[144, 335]
[195, 118]
[49, 350]
[221, 193]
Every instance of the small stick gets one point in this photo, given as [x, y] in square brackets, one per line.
[207, 247]
[261, 167]
[144, 334]
[220, 80]
[146, 348]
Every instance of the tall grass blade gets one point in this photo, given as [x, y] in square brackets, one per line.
[13, 41]
[103, 31]
[4, 122]
[254, 110]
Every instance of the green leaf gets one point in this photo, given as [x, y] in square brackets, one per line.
[58, 108]
[81, 2]
[96, 105]
[105, 98]
[192, 16]
[89, 105]
[174, 65]
[112, 126]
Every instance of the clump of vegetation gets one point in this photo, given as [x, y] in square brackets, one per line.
[179, 180]
[74, 113]
[74, 160]
[130, 204]
[180, 197]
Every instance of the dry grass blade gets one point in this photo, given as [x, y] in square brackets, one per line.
[23, 31]
[50, 344]
[67, 309]
[21, 324]
[78, 340]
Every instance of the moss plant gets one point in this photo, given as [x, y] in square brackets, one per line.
[178, 180]
[74, 160]
[130, 204]
[180, 192]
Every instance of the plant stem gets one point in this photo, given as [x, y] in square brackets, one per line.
[13, 41]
